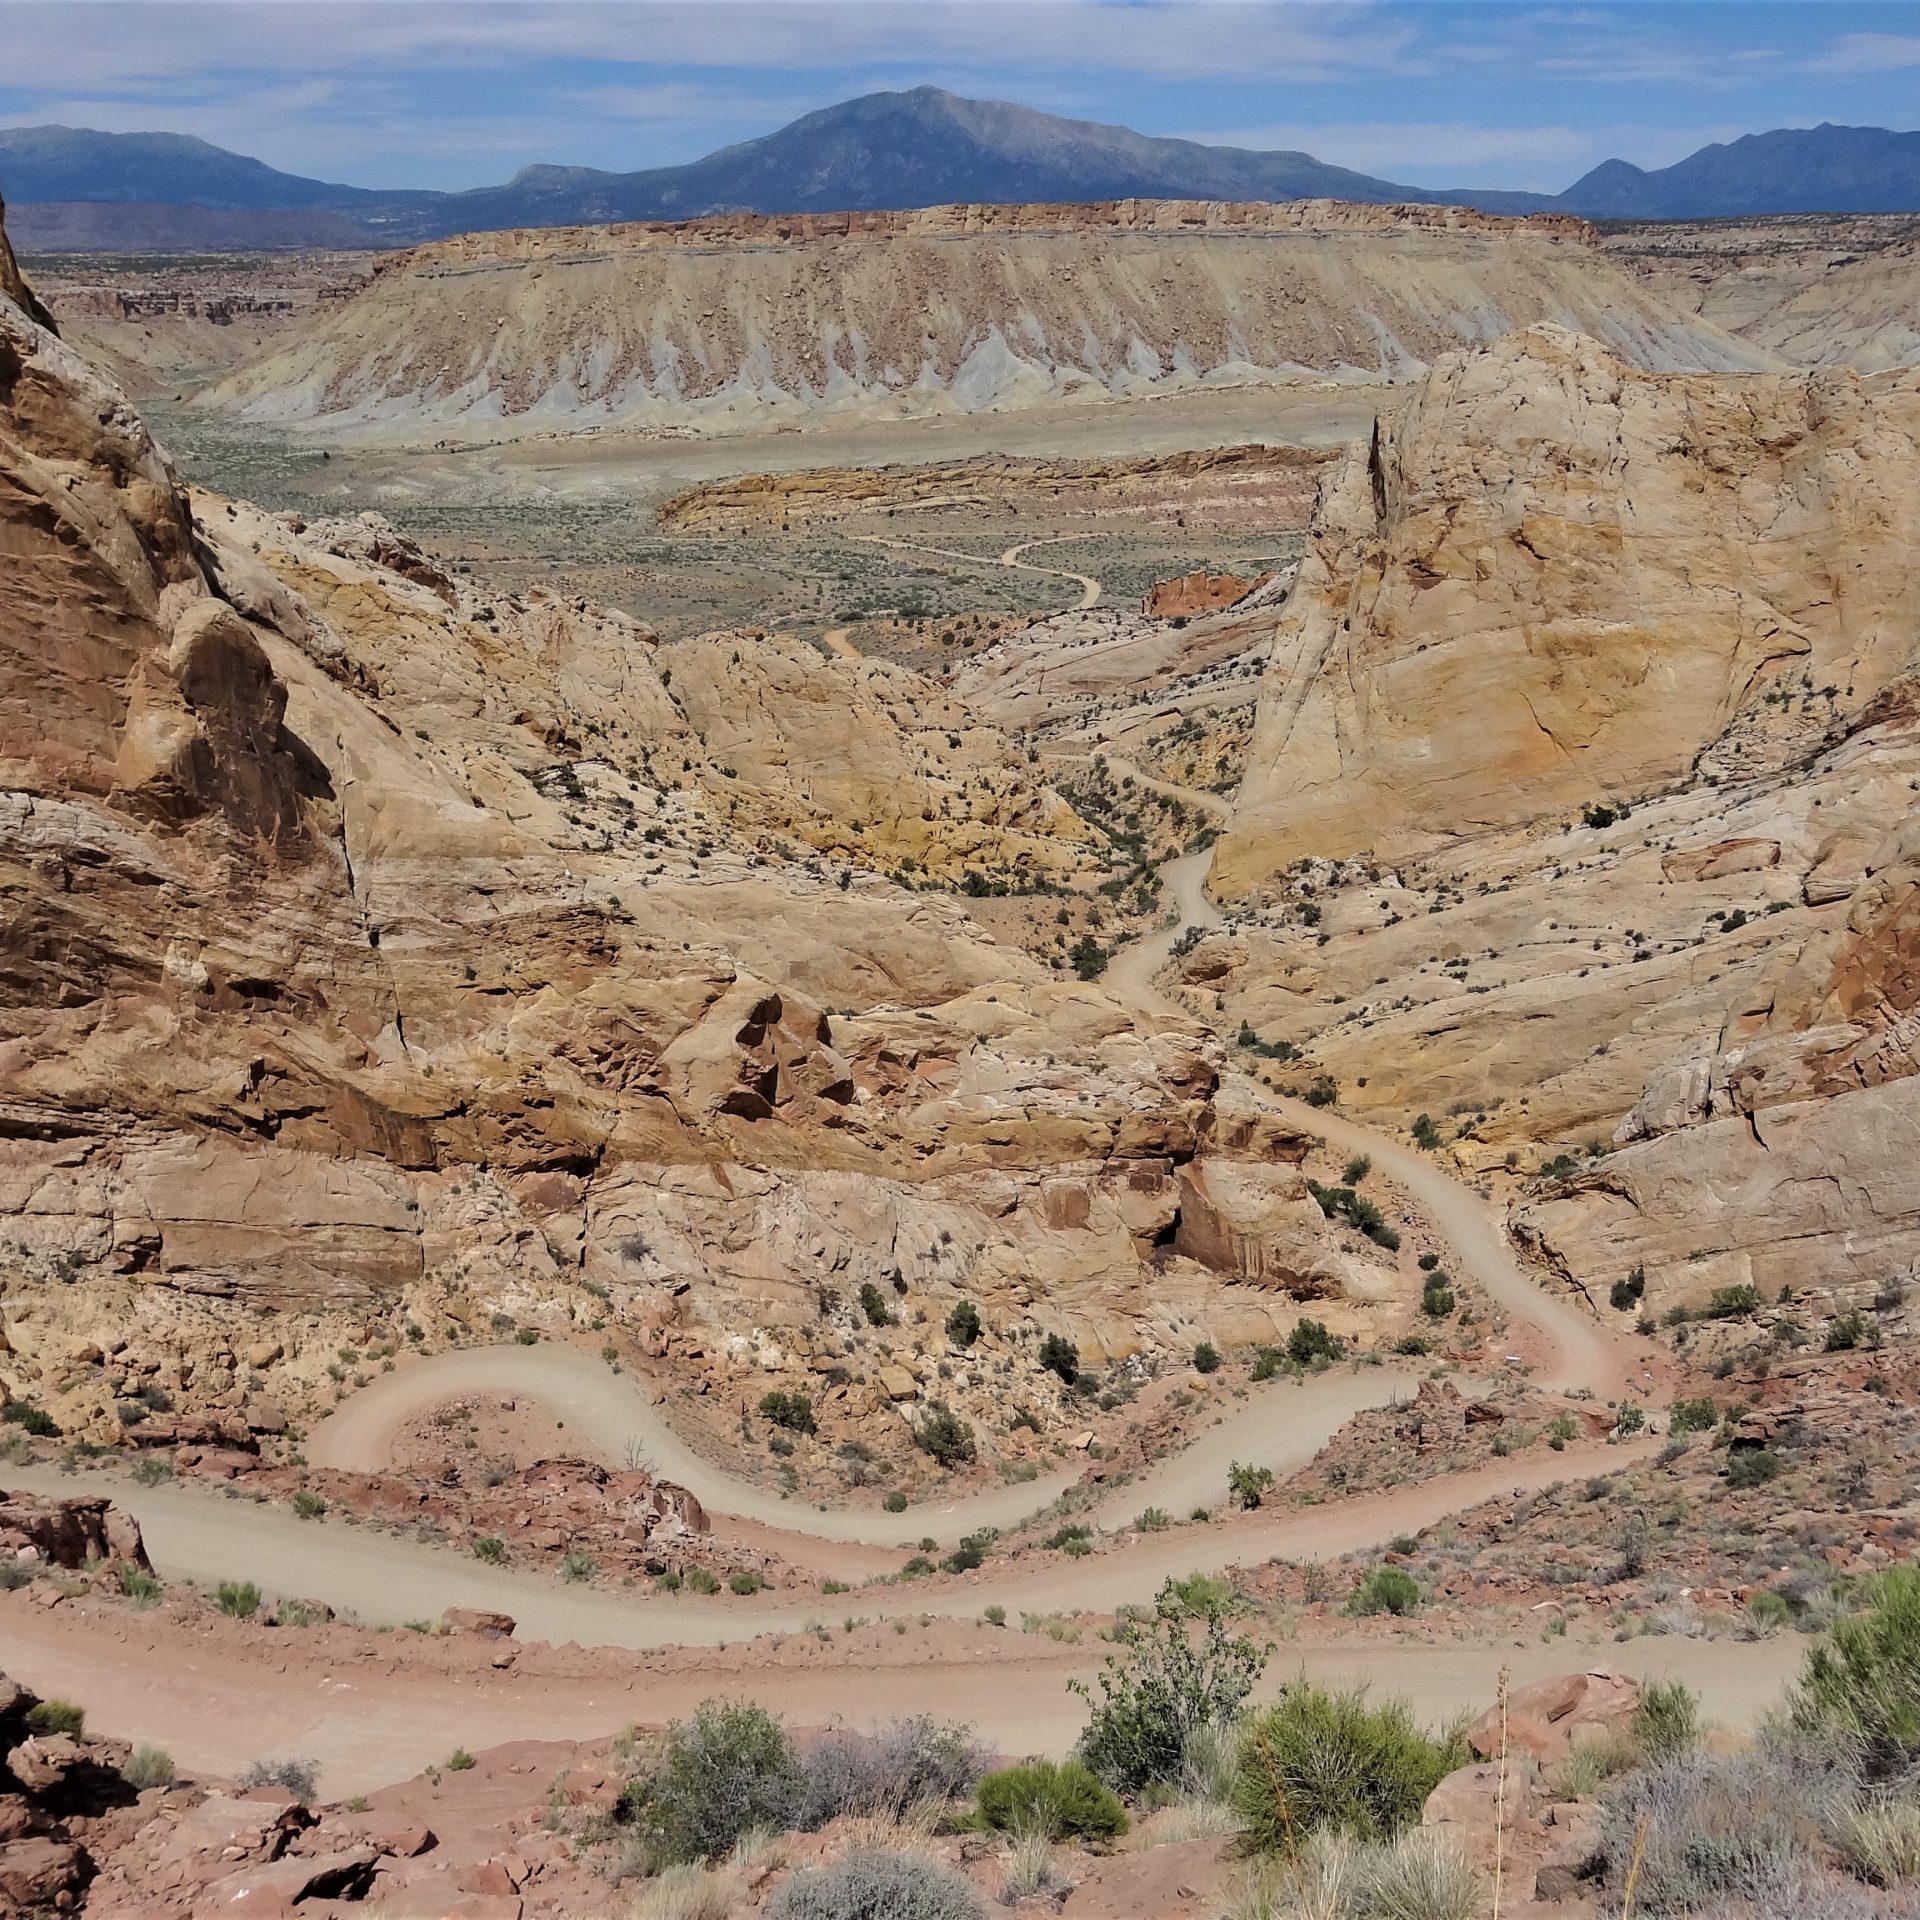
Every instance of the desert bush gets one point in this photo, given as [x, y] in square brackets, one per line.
[147, 1767]
[1879, 1838]
[1716, 1826]
[299, 1776]
[745, 1580]
[1310, 1342]
[490, 1548]
[726, 1771]
[944, 1435]
[237, 1599]
[687, 1893]
[1032, 1870]
[1421, 1874]
[577, 1564]
[895, 1502]
[703, 1580]
[1667, 1721]
[1163, 1687]
[1320, 1759]
[1206, 1358]
[1063, 1801]
[1060, 1356]
[1386, 1590]
[884, 1775]
[140, 1586]
[873, 1303]
[57, 1716]
[876, 1883]
[1862, 1682]
[789, 1407]
[308, 1505]
[1693, 1416]
[1248, 1486]
[1753, 1467]
[963, 1324]
[151, 1469]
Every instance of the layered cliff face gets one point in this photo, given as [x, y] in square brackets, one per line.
[729, 325]
[1552, 580]
[1577, 814]
[377, 954]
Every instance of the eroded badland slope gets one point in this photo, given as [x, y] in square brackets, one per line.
[728, 324]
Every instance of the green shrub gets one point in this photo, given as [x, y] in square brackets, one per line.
[1667, 1721]
[944, 1435]
[1065, 1801]
[1267, 1363]
[237, 1599]
[1206, 1358]
[1059, 1355]
[1156, 1694]
[873, 1303]
[30, 1419]
[725, 1772]
[1753, 1467]
[970, 1553]
[702, 1580]
[1767, 1609]
[309, 1506]
[1248, 1486]
[147, 1767]
[1849, 1331]
[963, 1324]
[577, 1564]
[789, 1407]
[1357, 1169]
[1425, 1133]
[460, 1761]
[140, 1586]
[1318, 1760]
[895, 1502]
[1310, 1342]
[1733, 1303]
[1562, 1428]
[1693, 1416]
[57, 1716]
[745, 1580]
[490, 1548]
[1386, 1590]
[1437, 1299]
[1862, 1682]
[151, 1469]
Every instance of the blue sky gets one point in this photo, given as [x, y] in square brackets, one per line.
[404, 93]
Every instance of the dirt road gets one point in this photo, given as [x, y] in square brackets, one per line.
[612, 1417]
[215, 1707]
[1089, 586]
[1584, 1355]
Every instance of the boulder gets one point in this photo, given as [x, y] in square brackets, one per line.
[1544, 1716]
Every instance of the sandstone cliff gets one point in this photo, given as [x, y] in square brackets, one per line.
[1553, 579]
[732, 324]
[384, 961]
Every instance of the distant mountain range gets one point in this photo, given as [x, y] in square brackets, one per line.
[68, 187]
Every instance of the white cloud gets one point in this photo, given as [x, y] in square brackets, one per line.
[1868, 53]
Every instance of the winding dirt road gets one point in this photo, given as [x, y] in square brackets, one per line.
[1089, 586]
[218, 1714]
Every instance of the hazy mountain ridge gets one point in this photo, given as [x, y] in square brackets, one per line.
[923, 147]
